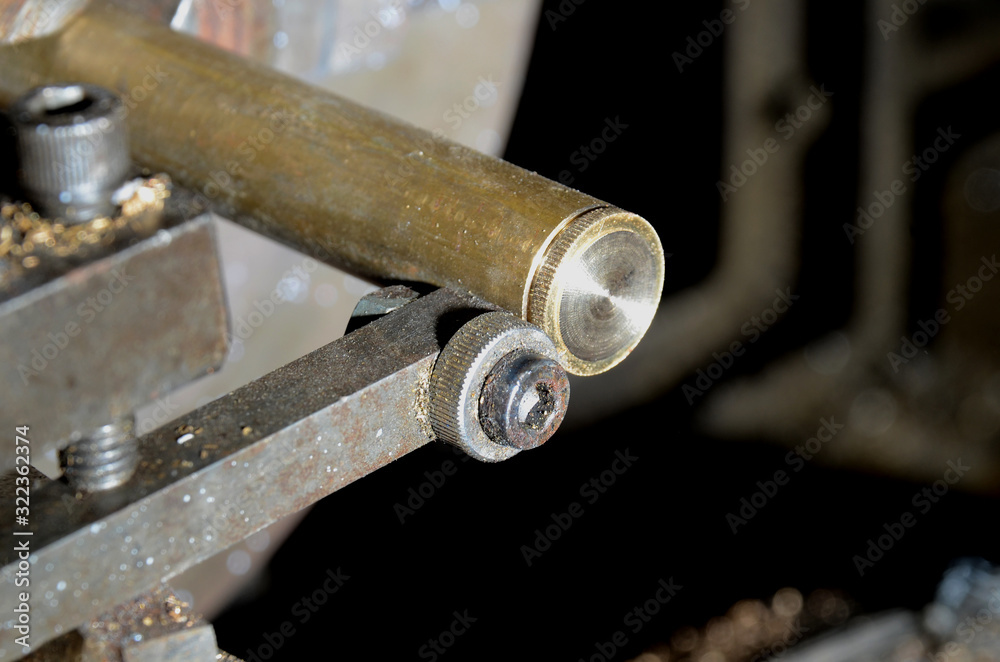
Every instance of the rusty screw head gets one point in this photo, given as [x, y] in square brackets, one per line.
[524, 400]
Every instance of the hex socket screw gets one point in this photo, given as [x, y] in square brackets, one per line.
[73, 149]
[524, 399]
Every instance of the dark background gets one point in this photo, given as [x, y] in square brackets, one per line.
[665, 516]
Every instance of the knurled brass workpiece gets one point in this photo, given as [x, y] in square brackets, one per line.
[358, 189]
[597, 288]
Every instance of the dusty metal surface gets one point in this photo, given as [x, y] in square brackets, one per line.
[194, 645]
[89, 347]
[343, 183]
[154, 626]
[212, 478]
[35, 249]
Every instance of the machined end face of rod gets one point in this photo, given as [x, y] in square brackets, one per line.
[596, 288]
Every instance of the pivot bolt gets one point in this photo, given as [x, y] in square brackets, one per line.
[497, 388]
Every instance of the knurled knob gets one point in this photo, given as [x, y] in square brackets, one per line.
[497, 388]
[73, 149]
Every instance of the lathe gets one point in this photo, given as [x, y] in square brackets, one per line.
[130, 137]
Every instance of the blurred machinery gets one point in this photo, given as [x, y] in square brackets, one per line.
[960, 624]
[876, 272]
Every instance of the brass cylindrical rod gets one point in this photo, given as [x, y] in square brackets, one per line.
[361, 190]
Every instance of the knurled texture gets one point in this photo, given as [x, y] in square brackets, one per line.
[542, 289]
[76, 151]
[459, 365]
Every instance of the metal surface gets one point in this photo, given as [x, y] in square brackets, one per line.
[348, 185]
[155, 626]
[35, 249]
[91, 346]
[524, 399]
[26, 19]
[73, 149]
[211, 478]
[384, 301]
[458, 387]
[378, 303]
[101, 460]
[597, 288]
[192, 645]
